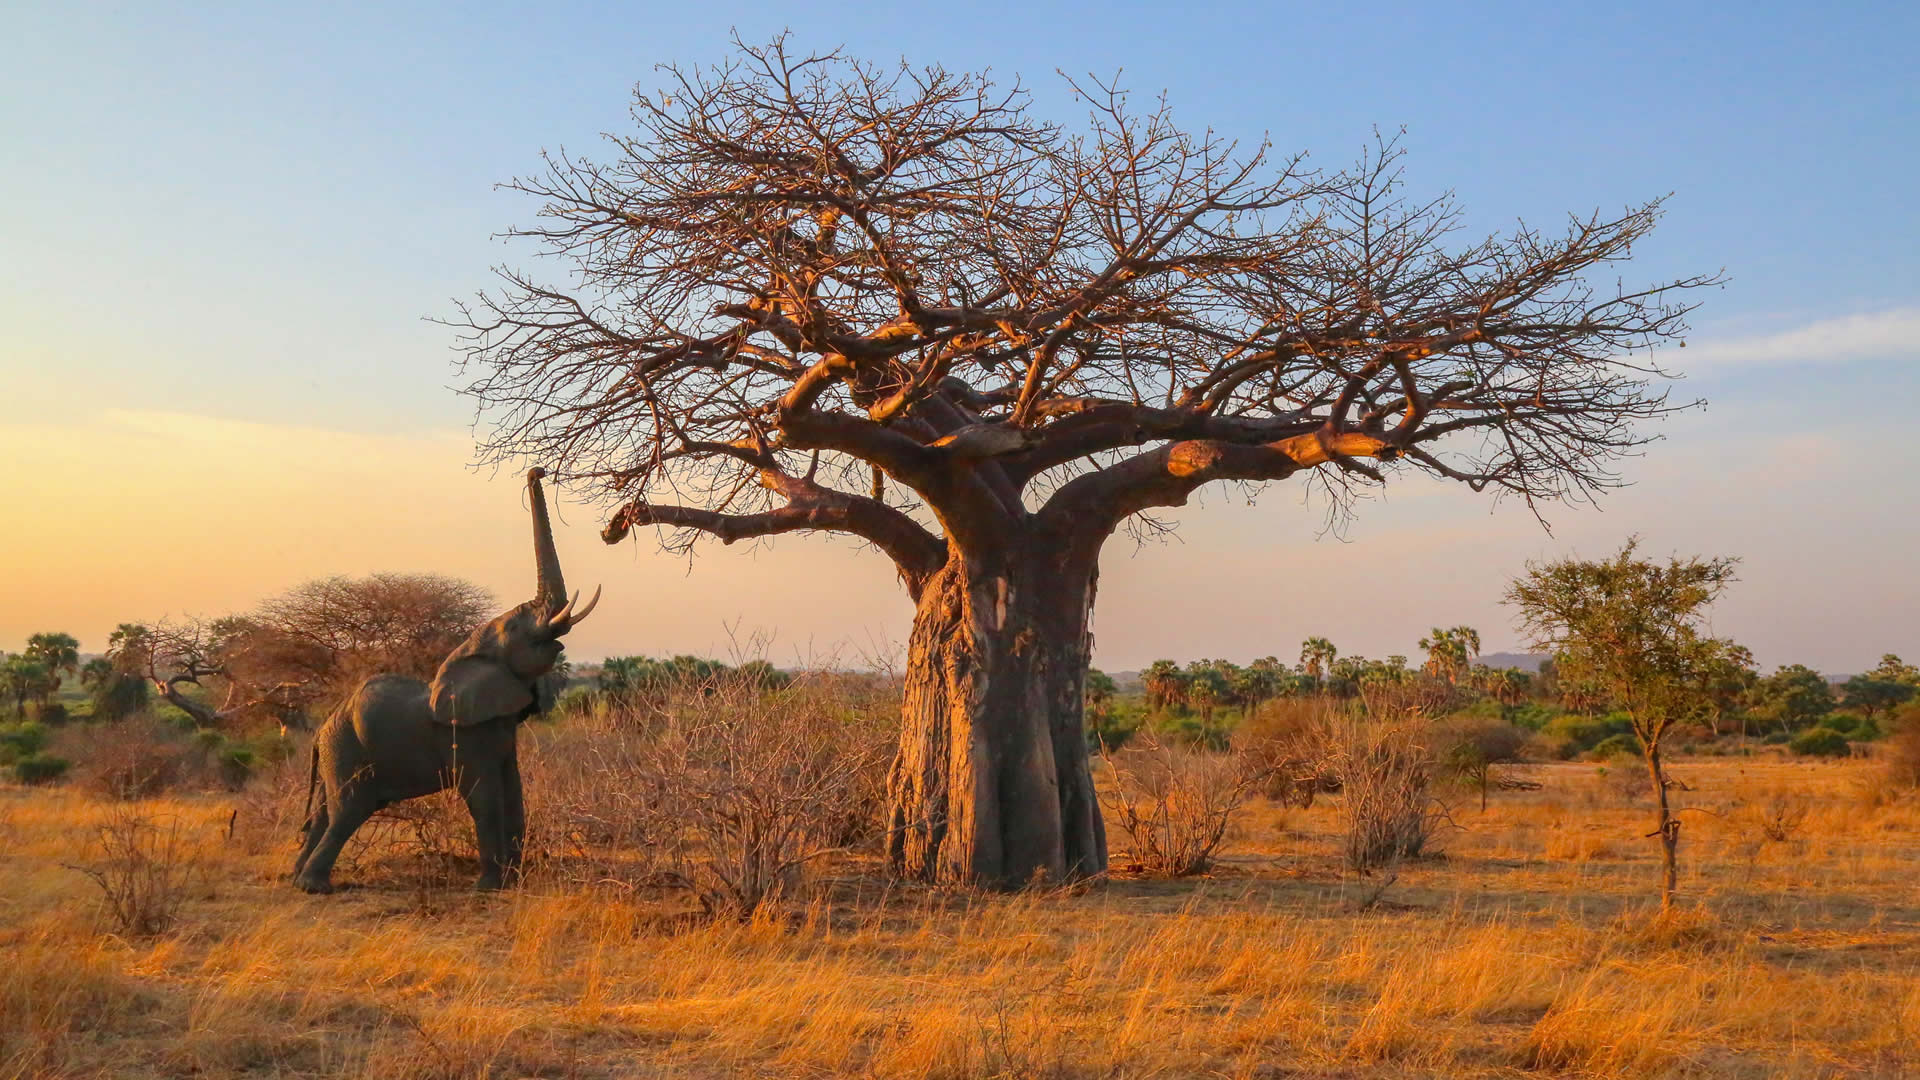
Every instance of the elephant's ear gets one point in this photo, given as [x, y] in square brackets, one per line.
[473, 690]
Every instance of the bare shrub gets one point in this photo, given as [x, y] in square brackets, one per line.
[270, 810]
[144, 871]
[1469, 749]
[1175, 802]
[1780, 814]
[1386, 769]
[1902, 749]
[729, 791]
[139, 759]
[1283, 742]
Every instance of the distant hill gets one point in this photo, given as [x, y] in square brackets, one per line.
[1523, 661]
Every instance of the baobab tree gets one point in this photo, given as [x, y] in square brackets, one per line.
[811, 293]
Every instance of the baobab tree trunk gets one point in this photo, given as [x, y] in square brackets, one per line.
[991, 785]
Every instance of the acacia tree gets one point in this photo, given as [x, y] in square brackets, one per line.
[300, 652]
[810, 293]
[1633, 627]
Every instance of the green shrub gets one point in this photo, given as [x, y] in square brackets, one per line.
[119, 697]
[1110, 729]
[1855, 728]
[22, 740]
[1193, 730]
[40, 768]
[1614, 746]
[208, 740]
[1776, 738]
[1820, 742]
[1583, 733]
[272, 748]
[1531, 716]
[52, 714]
[236, 766]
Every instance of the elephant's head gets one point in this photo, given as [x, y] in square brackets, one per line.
[492, 674]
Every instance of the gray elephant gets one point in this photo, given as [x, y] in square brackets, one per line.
[398, 738]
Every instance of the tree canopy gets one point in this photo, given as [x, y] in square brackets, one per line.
[800, 269]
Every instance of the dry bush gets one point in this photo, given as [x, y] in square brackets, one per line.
[138, 759]
[1386, 768]
[1283, 741]
[1468, 749]
[1780, 815]
[730, 791]
[144, 871]
[1624, 782]
[1902, 749]
[270, 812]
[431, 837]
[1175, 802]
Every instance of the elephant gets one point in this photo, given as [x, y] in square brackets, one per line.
[397, 738]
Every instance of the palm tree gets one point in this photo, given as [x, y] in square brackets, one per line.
[1450, 653]
[1316, 655]
[1166, 684]
[23, 677]
[56, 652]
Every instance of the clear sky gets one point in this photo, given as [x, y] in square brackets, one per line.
[221, 229]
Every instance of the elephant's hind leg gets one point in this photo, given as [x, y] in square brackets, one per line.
[348, 812]
[316, 828]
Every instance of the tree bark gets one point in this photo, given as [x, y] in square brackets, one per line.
[1668, 829]
[991, 785]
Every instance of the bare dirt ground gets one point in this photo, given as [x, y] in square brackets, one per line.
[1529, 946]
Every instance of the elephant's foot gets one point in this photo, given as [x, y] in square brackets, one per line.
[309, 884]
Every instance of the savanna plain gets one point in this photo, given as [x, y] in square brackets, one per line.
[1525, 939]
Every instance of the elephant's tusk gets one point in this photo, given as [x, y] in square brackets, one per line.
[580, 615]
[559, 618]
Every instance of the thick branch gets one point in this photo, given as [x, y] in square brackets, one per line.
[914, 551]
[1090, 507]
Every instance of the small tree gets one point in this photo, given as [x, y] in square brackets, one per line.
[1794, 697]
[1893, 669]
[1871, 695]
[116, 694]
[1100, 691]
[1632, 626]
[1726, 677]
[1471, 750]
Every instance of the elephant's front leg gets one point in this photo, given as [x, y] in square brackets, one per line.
[486, 800]
[515, 816]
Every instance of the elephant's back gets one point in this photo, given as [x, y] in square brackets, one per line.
[390, 692]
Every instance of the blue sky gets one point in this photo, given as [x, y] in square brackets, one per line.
[244, 213]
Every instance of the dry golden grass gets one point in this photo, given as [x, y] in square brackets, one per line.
[1529, 948]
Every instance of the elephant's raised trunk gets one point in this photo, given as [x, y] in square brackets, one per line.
[551, 588]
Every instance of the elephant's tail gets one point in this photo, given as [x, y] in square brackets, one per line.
[313, 780]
